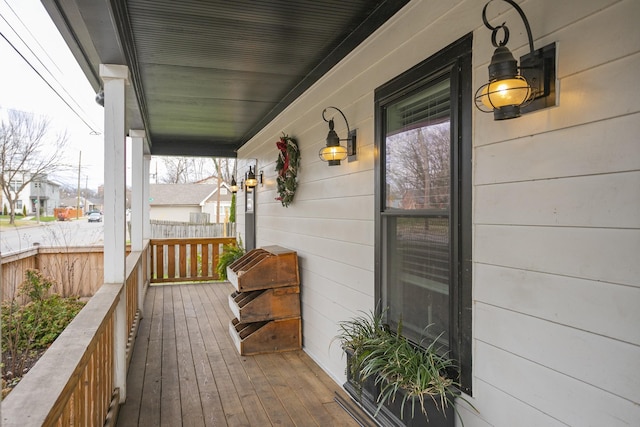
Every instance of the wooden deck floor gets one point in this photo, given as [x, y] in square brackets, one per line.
[186, 371]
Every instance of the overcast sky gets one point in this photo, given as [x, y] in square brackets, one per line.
[21, 88]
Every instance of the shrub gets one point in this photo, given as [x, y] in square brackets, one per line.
[36, 324]
[230, 253]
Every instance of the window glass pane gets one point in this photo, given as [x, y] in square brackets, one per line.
[418, 276]
[417, 150]
[417, 176]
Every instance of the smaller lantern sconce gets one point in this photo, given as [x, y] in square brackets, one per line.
[250, 179]
[234, 185]
[509, 92]
[333, 153]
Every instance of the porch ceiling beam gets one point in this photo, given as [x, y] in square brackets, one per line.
[168, 147]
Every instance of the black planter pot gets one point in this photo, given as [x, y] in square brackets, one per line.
[391, 414]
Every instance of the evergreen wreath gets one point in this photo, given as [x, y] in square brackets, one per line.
[287, 168]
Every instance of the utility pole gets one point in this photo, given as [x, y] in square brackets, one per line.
[86, 191]
[78, 202]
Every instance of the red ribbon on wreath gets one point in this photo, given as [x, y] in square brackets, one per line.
[287, 169]
[282, 146]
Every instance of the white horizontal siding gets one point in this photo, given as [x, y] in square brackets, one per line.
[593, 148]
[589, 305]
[586, 201]
[554, 393]
[609, 255]
[556, 210]
[581, 353]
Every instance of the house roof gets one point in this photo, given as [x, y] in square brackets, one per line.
[206, 76]
[183, 194]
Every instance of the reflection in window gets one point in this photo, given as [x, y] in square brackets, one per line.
[417, 177]
[417, 150]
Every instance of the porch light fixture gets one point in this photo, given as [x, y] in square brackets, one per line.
[333, 153]
[509, 92]
[251, 180]
[234, 185]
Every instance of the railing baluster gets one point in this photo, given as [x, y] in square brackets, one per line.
[193, 256]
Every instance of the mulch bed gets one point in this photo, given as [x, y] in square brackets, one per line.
[9, 378]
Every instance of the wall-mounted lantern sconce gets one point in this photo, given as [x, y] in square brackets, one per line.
[251, 180]
[509, 92]
[333, 153]
[234, 185]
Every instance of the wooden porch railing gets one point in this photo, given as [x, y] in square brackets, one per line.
[186, 260]
[85, 359]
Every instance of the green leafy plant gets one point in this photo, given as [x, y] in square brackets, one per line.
[399, 367]
[230, 253]
[232, 210]
[31, 326]
[358, 336]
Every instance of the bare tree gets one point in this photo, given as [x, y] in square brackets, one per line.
[184, 170]
[418, 167]
[176, 170]
[28, 150]
[225, 169]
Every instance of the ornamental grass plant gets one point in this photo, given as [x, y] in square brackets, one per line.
[400, 368]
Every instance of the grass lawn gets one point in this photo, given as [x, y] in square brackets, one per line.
[24, 221]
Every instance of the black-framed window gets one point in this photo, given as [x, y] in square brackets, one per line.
[423, 202]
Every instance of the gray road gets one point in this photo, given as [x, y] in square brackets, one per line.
[64, 234]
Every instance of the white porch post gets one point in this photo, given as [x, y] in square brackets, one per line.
[114, 78]
[146, 219]
[139, 175]
[137, 188]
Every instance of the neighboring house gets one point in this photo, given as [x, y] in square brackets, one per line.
[40, 188]
[176, 202]
[46, 193]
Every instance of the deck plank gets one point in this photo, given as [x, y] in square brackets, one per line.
[189, 394]
[170, 410]
[186, 371]
[199, 327]
[231, 402]
[257, 415]
[151, 365]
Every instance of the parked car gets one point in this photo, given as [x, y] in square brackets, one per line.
[95, 217]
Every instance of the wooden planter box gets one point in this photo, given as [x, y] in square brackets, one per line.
[366, 394]
[266, 337]
[264, 268]
[266, 304]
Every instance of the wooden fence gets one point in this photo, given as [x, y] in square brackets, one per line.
[77, 271]
[186, 260]
[186, 230]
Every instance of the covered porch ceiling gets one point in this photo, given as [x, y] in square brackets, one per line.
[206, 76]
